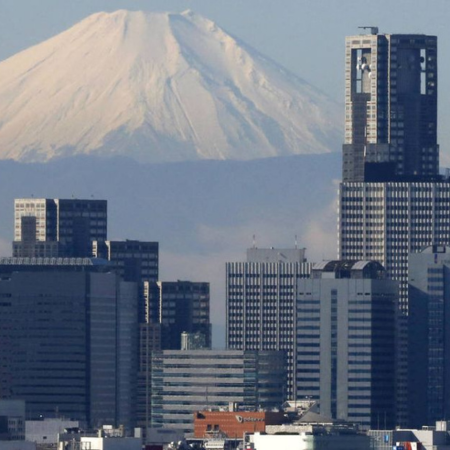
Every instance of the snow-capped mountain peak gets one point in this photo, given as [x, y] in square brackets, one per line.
[157, 87]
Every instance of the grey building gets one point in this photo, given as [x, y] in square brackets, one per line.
[58, 227]
[429, 335]
[261, 296]
[390, 107]
[187, 381]
[345, 337]
[68, 328]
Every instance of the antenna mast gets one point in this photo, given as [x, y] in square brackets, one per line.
[373, 30]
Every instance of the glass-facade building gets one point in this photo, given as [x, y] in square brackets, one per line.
[186, 381]
[346, 340]
[179, 306]
[68, 333]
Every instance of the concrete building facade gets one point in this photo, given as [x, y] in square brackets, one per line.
[261, 296]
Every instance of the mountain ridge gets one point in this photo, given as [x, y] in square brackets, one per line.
[158, 87]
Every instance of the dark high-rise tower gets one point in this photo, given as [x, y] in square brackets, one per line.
[135, 261]
[390, 107]
[68, 333]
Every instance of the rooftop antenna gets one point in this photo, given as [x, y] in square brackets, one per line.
[254, 241]
[296, 242]
[373, 30]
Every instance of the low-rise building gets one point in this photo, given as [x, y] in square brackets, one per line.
[309, 431]
[427, 438]
[233, 424]
[305, 441]
[12, 419]
[46, 431]
[17, 445]
[102, 443]
[106, 438]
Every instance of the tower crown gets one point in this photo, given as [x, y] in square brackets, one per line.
[390, 107]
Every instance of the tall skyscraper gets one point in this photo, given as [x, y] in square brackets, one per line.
[345, 341]
[68, 328]
[390, 107]
[429, 335]
[392, 201]
[261, 296]
[58, 227]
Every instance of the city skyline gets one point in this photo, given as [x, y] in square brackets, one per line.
[340, 325]
[318, 55]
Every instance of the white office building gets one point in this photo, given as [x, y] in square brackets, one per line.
[261, 295]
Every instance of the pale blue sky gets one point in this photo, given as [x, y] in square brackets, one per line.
[306, 36]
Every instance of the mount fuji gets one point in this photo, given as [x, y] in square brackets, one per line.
[157, 87]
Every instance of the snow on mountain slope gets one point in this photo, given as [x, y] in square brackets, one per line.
[157, 87]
